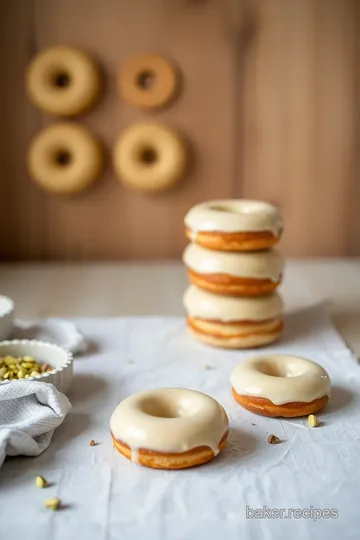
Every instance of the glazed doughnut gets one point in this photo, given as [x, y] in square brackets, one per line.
[234, 225]
[65, 158]
[233, 322]
[236, 274]
[278, 385]
[169, 428]
[63, 81]
[150, 157]
[148, 81]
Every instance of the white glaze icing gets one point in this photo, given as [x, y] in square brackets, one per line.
[237, 329]
[234, 215]
[236, 342]
[281, 379]
[266, 264]
[205, 305]
[169, 420]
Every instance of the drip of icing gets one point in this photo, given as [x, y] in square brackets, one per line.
[234, 215]
[169, 420]
[266, 264]
[193, 236]
[209, 306]
[281, 379]
[134, 454]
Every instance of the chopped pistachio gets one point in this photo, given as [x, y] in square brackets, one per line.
[8, 360]
[12, 367]
[40, 482]
[27, 365]
[313, 420]
[53, 503]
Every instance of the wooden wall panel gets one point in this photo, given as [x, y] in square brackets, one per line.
[112, 222]
[269, 104]
[23, 216]
[300, 120]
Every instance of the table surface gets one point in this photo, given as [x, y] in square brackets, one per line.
[117, 289]
[127, 497]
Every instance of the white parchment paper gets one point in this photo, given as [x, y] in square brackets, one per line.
[109, 498]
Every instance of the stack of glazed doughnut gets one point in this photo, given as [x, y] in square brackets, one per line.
[234, 272]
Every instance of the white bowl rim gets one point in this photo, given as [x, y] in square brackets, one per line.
[43, 376]
[10, 306]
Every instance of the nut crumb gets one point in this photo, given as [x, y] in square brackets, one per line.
[273, 439]
[92, 443]
[53, 503]
[207, 367]
[40, 482]
[313, 420]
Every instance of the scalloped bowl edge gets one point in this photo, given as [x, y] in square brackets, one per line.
[62, 361]
[7, 309]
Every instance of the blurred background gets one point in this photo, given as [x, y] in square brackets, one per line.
[269, 104]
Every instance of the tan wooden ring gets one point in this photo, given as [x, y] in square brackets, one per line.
[150, 157]
[148, 81]
[65, 158]
[63, 81]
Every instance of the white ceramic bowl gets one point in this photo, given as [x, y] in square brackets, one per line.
[6, 316]
[62, 361]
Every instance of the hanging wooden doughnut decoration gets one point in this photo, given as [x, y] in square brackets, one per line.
[150, 157]
[63, 81]
[148, 81]
[65, 158]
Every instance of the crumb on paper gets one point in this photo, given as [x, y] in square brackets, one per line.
[273, 439]
[92, 443]
[207, 367]
[130, 361]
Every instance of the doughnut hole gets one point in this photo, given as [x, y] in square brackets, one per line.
[221, 209]
[248, 208]
[63, 158]
[161, 407]
[61, 80]
[275, 368]
[146, 80]
[148, 155]
[229, 209]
